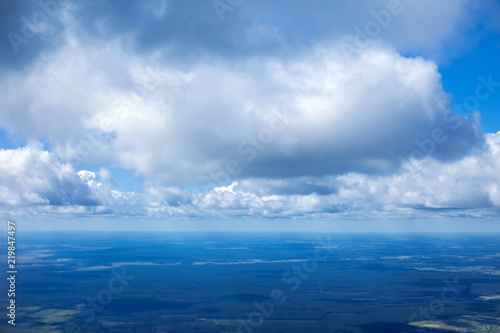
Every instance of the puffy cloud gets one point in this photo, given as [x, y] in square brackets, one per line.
[278, 122]
[421, 188]
[33, 180]
[31, 175]
[317, 114]
[36, 182]
[471, 182]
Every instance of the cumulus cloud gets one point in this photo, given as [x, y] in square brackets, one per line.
[34, 179]
[422, 188]
[250, 121]
[31, 175]
[313, 115]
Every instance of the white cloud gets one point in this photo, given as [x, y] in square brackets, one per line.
[341, 142]
[182, 126]
[31, 175]
[34, 181]
[421, 188]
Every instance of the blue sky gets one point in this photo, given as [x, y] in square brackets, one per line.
[237, 111]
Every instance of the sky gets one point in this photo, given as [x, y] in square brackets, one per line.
[250, 114]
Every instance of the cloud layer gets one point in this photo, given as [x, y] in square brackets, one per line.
[245, 116]
[34, 181]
